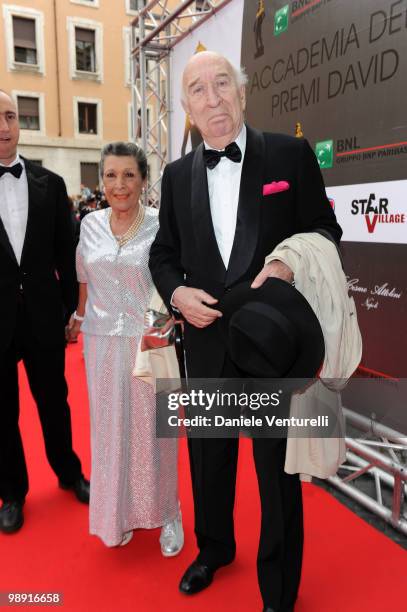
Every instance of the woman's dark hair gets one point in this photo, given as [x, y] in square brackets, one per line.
[124, 149]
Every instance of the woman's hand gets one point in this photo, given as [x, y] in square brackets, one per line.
[73, 329]
[167, 326]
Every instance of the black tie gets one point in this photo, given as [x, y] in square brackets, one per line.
[15, 170]
[212, 157]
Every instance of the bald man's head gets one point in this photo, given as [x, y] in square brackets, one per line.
[9, 128]
[203, 56]
[214, 97]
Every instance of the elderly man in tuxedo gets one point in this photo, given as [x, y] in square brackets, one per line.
[38, 294]
[216, 228]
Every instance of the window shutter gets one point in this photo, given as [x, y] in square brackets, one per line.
[85, 35]
[28, 106]
[24, 33]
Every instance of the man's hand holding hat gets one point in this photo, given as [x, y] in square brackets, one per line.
[274, 269]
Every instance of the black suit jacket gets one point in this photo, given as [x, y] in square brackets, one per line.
[46, 279]
[185, 251]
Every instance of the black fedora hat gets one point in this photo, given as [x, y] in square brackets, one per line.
[272, 331]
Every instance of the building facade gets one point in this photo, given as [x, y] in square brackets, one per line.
[67, 65]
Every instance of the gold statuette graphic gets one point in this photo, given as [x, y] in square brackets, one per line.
[298, 130]
[258, 24]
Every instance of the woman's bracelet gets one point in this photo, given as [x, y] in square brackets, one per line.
[78, 317]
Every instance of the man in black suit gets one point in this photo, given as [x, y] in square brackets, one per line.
[38, 294]
[218, 222]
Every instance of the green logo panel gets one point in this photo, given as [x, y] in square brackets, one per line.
[281, 20]
[325, 153]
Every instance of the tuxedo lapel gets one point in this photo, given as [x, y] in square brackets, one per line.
[5, 242]
[207, 245]
[37, 190]
[249, 207]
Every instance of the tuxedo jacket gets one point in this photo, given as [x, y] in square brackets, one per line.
[185, 251]
[45, 281]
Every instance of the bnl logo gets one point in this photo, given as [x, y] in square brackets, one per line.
[325, 153]
[281, 20]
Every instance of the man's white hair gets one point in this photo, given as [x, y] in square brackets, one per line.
[240, 76]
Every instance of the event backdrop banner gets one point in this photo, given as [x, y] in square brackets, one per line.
[335, 71]
[338, 67]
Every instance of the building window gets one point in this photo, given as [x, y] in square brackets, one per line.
[85, 49]
[25, 48]
[87, 115]
[31, 111]
[133, 6]
[138, 127]
[24, 38]
[90, 174]
[28, 113]
[200, 5]
[130, 122]
[88, 118]
[91, 3]
[127, 58]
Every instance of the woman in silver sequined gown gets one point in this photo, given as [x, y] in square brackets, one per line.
[133, 474]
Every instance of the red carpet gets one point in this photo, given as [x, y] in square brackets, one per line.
[348, 566]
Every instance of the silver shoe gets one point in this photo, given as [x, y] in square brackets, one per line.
[126, 538]
[172, 537]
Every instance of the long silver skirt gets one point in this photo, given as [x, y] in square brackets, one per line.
[133, 474]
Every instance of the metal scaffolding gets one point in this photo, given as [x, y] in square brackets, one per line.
[155, 31]
[381, 454]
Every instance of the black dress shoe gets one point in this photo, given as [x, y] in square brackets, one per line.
[80, 487]
[197, 578]
[11, 517]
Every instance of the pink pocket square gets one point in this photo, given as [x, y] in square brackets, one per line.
[275, 187]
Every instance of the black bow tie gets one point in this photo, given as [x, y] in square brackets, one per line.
[212, 157]
[15, 170]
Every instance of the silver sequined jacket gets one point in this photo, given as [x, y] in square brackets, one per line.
[118, 279]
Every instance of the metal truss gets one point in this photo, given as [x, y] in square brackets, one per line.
[155, 31]
[383, 456]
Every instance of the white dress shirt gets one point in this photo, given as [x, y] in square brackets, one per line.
[14, 207]
[224, 187]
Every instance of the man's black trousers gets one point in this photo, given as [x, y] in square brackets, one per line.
[213, 470]
[45, 371]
